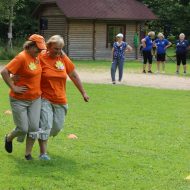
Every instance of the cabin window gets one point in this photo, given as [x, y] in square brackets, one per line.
[112, 31]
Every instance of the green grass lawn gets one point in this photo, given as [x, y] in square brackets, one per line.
[129, 138]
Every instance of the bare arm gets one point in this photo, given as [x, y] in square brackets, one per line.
[143, 42]
[76, 80]
[6, 77]
[169, 44]
[129, 48]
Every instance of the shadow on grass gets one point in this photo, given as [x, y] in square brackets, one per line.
[56, 168]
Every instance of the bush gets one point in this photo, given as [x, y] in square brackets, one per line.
[7, 53]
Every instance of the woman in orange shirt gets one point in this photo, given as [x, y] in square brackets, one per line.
[55, 68]
[25, 93]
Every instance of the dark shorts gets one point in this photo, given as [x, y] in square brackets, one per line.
[147, 57]
[181, 58]
[161, 57]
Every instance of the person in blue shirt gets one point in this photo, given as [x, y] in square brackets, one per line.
[118, 55]
[147, 51]
[161, 45]
[181, 52]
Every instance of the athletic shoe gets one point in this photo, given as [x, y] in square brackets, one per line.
[8, 145]
[44, 157]
[113, 82]
[28, 157]
[150, 71]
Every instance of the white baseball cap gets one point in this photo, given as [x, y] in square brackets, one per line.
[120, 35]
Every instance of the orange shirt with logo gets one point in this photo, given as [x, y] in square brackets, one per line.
[54, 76]
[29, 71]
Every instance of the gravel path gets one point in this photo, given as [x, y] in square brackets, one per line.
[134, 79]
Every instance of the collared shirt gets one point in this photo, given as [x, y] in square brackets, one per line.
[181, 46]
[149, 43]
[119, 50]
[161, 44]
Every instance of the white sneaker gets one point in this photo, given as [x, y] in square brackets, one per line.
[44, 157]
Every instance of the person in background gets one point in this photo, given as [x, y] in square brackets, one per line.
[161, 45]
[25, 93]
[118, 55]
[181, 52]
[147, 48]
[56, 66]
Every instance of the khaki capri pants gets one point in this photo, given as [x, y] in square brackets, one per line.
[26, 116]
[51, 119]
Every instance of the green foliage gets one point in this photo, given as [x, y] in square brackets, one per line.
[173, 16]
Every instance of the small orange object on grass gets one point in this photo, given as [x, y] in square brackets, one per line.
[8, 112]
[72, 136]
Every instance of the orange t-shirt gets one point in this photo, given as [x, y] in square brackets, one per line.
[54, 76]
[29, 71]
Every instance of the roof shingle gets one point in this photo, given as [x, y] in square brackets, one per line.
[105, 9]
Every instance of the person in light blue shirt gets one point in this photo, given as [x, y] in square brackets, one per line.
[182, 46]
[161, 45]
[118, 55]
[147, 44]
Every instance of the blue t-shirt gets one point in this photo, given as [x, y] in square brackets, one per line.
[181, 46]
[119, 50]
[161, 44]
[149, 43]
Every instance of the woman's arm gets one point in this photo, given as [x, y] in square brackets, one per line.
[128, 48]
[143, 42]
[76, 80]
[6, 77]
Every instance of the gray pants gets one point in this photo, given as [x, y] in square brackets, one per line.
[26, 115]
[117, 63]
[52, 119]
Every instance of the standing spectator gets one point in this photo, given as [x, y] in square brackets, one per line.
[118, 54]
[161, 45]
[25, 94]
[56, 66]
[181, 52]
[147, 48]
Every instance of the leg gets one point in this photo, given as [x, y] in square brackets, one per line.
[20, 117]
[34, 119]
[113, 70]
[184, 63]
[150, 62]
[121, 64]
[163, 66]
[46, 123]
[144, 61]
[59, 113]
[178, 58]
[158, 66]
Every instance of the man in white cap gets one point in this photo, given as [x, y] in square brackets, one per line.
[118, 53]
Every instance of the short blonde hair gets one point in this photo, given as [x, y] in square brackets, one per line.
[56, 39]
[160, 35]
[182, 34]
[151, 33]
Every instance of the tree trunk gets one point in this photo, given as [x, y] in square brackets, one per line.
[10, 32]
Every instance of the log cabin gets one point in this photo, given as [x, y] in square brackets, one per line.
[89, 27]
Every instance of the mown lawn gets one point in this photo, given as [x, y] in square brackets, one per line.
[129, 138]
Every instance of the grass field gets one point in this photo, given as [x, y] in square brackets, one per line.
[129, 138]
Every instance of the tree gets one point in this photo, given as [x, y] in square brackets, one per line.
[7, 10]
[173, 16]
